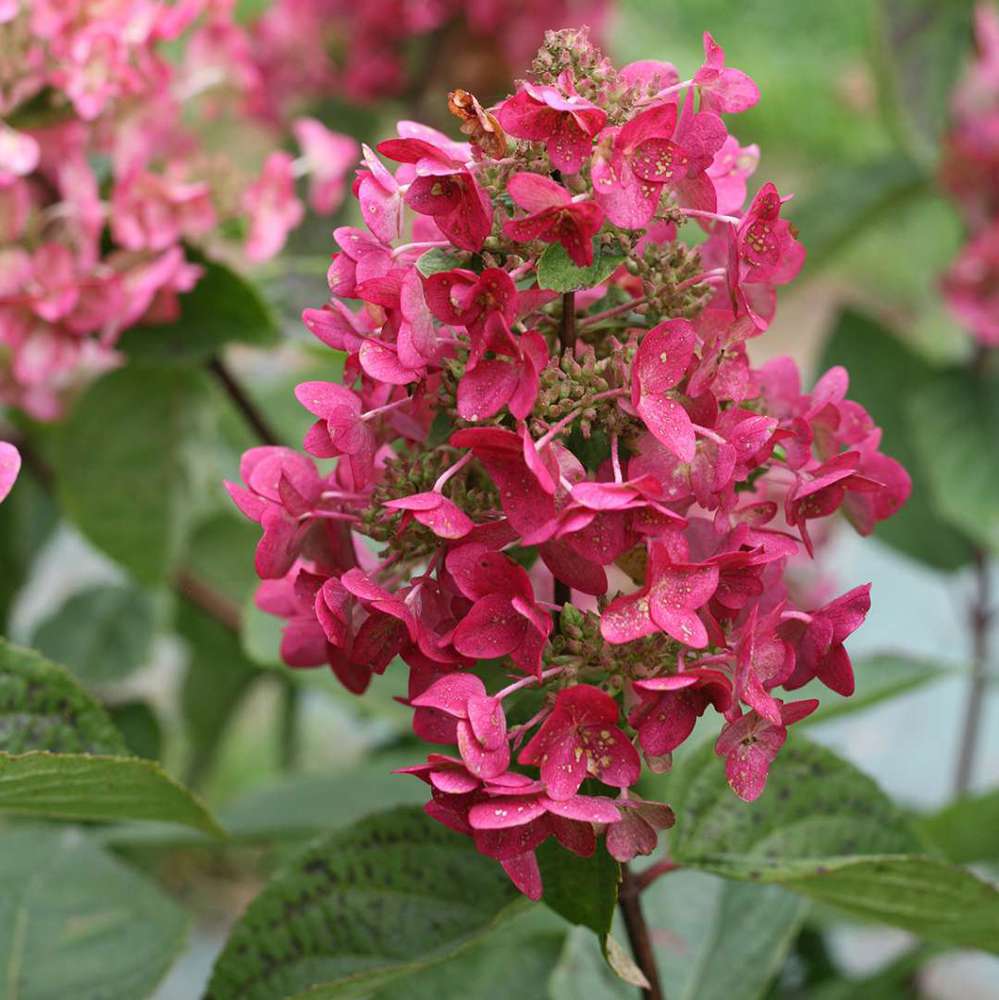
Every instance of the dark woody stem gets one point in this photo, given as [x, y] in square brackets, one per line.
[258, 423]
[630, 903]
[980, 620]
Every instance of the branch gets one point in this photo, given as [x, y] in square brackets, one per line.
[259, 424]
[629, 900]
[567, 330]
[209, 600]
[980, 616]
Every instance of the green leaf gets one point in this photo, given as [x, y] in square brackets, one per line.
[930, 898]
[220, 554]
[557, 272]
[955, 422]
[75, 922]
[27, 519]
[715, 940]
[824, 829]
[223, 307]
[102, 634]
[125, 475]
[90, 787]
[385, 898]
[436, 260]
[816, 806]
[967, 830]
[43, 708]
[583, 890]
[863, 195]
[217, 678]
[307, 804]
[879, 678]
[884, 375]
[515, 960]
[138, 723]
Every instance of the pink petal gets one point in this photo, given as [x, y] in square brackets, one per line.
[535, 193]
[10, 466]
[492, 628]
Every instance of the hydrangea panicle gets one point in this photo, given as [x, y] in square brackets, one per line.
[569, 513]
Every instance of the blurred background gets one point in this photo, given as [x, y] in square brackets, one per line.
[855, 97]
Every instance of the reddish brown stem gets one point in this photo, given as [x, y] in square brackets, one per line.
[630, 902]
[649, 875]
[214, 604]
[567, 330]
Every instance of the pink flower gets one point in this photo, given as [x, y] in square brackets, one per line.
[464, 298]
[10, 466]
[443, 188]
[750, 743]
[281, 486]
[660, 363]
[819, 644]
[152, 211]
[329, 156]
[341, 428]
[440, 515]
[504, 620]
[379, 198]
[971, 286]
[479, 722]
[656, 150]
[669, 601]
[729, 170]
[272, 207]
[581, 738]
[766, 243]
[671, 705]
[19, 154]
[723, 90]
[637, 832]
[557, 116]
[514, 821]
[555, 217]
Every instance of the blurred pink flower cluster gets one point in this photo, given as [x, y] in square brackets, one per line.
[361, 51]
[554, 458]
[108, 176]
[970, 172]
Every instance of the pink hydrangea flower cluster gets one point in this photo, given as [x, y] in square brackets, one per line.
[362, 51]
[106, 180]
[970, 172]
[594, 490]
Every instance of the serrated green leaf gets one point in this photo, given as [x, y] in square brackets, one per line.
[436, 260]
[928, 897]
[75, 922]
[955, 421]
[100, 788]
[384, 898]
[514, 960]
[43, 708]
[223, 307]
[884, 375]
[557, 272]
[125, 475]
[583, 890]
[816, 806]
[824, 829]
[878, 678]
[967, 830]
[102, 634]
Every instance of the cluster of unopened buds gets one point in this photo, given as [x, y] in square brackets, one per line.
[555, 459]
[970, 172]
[106, 180]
